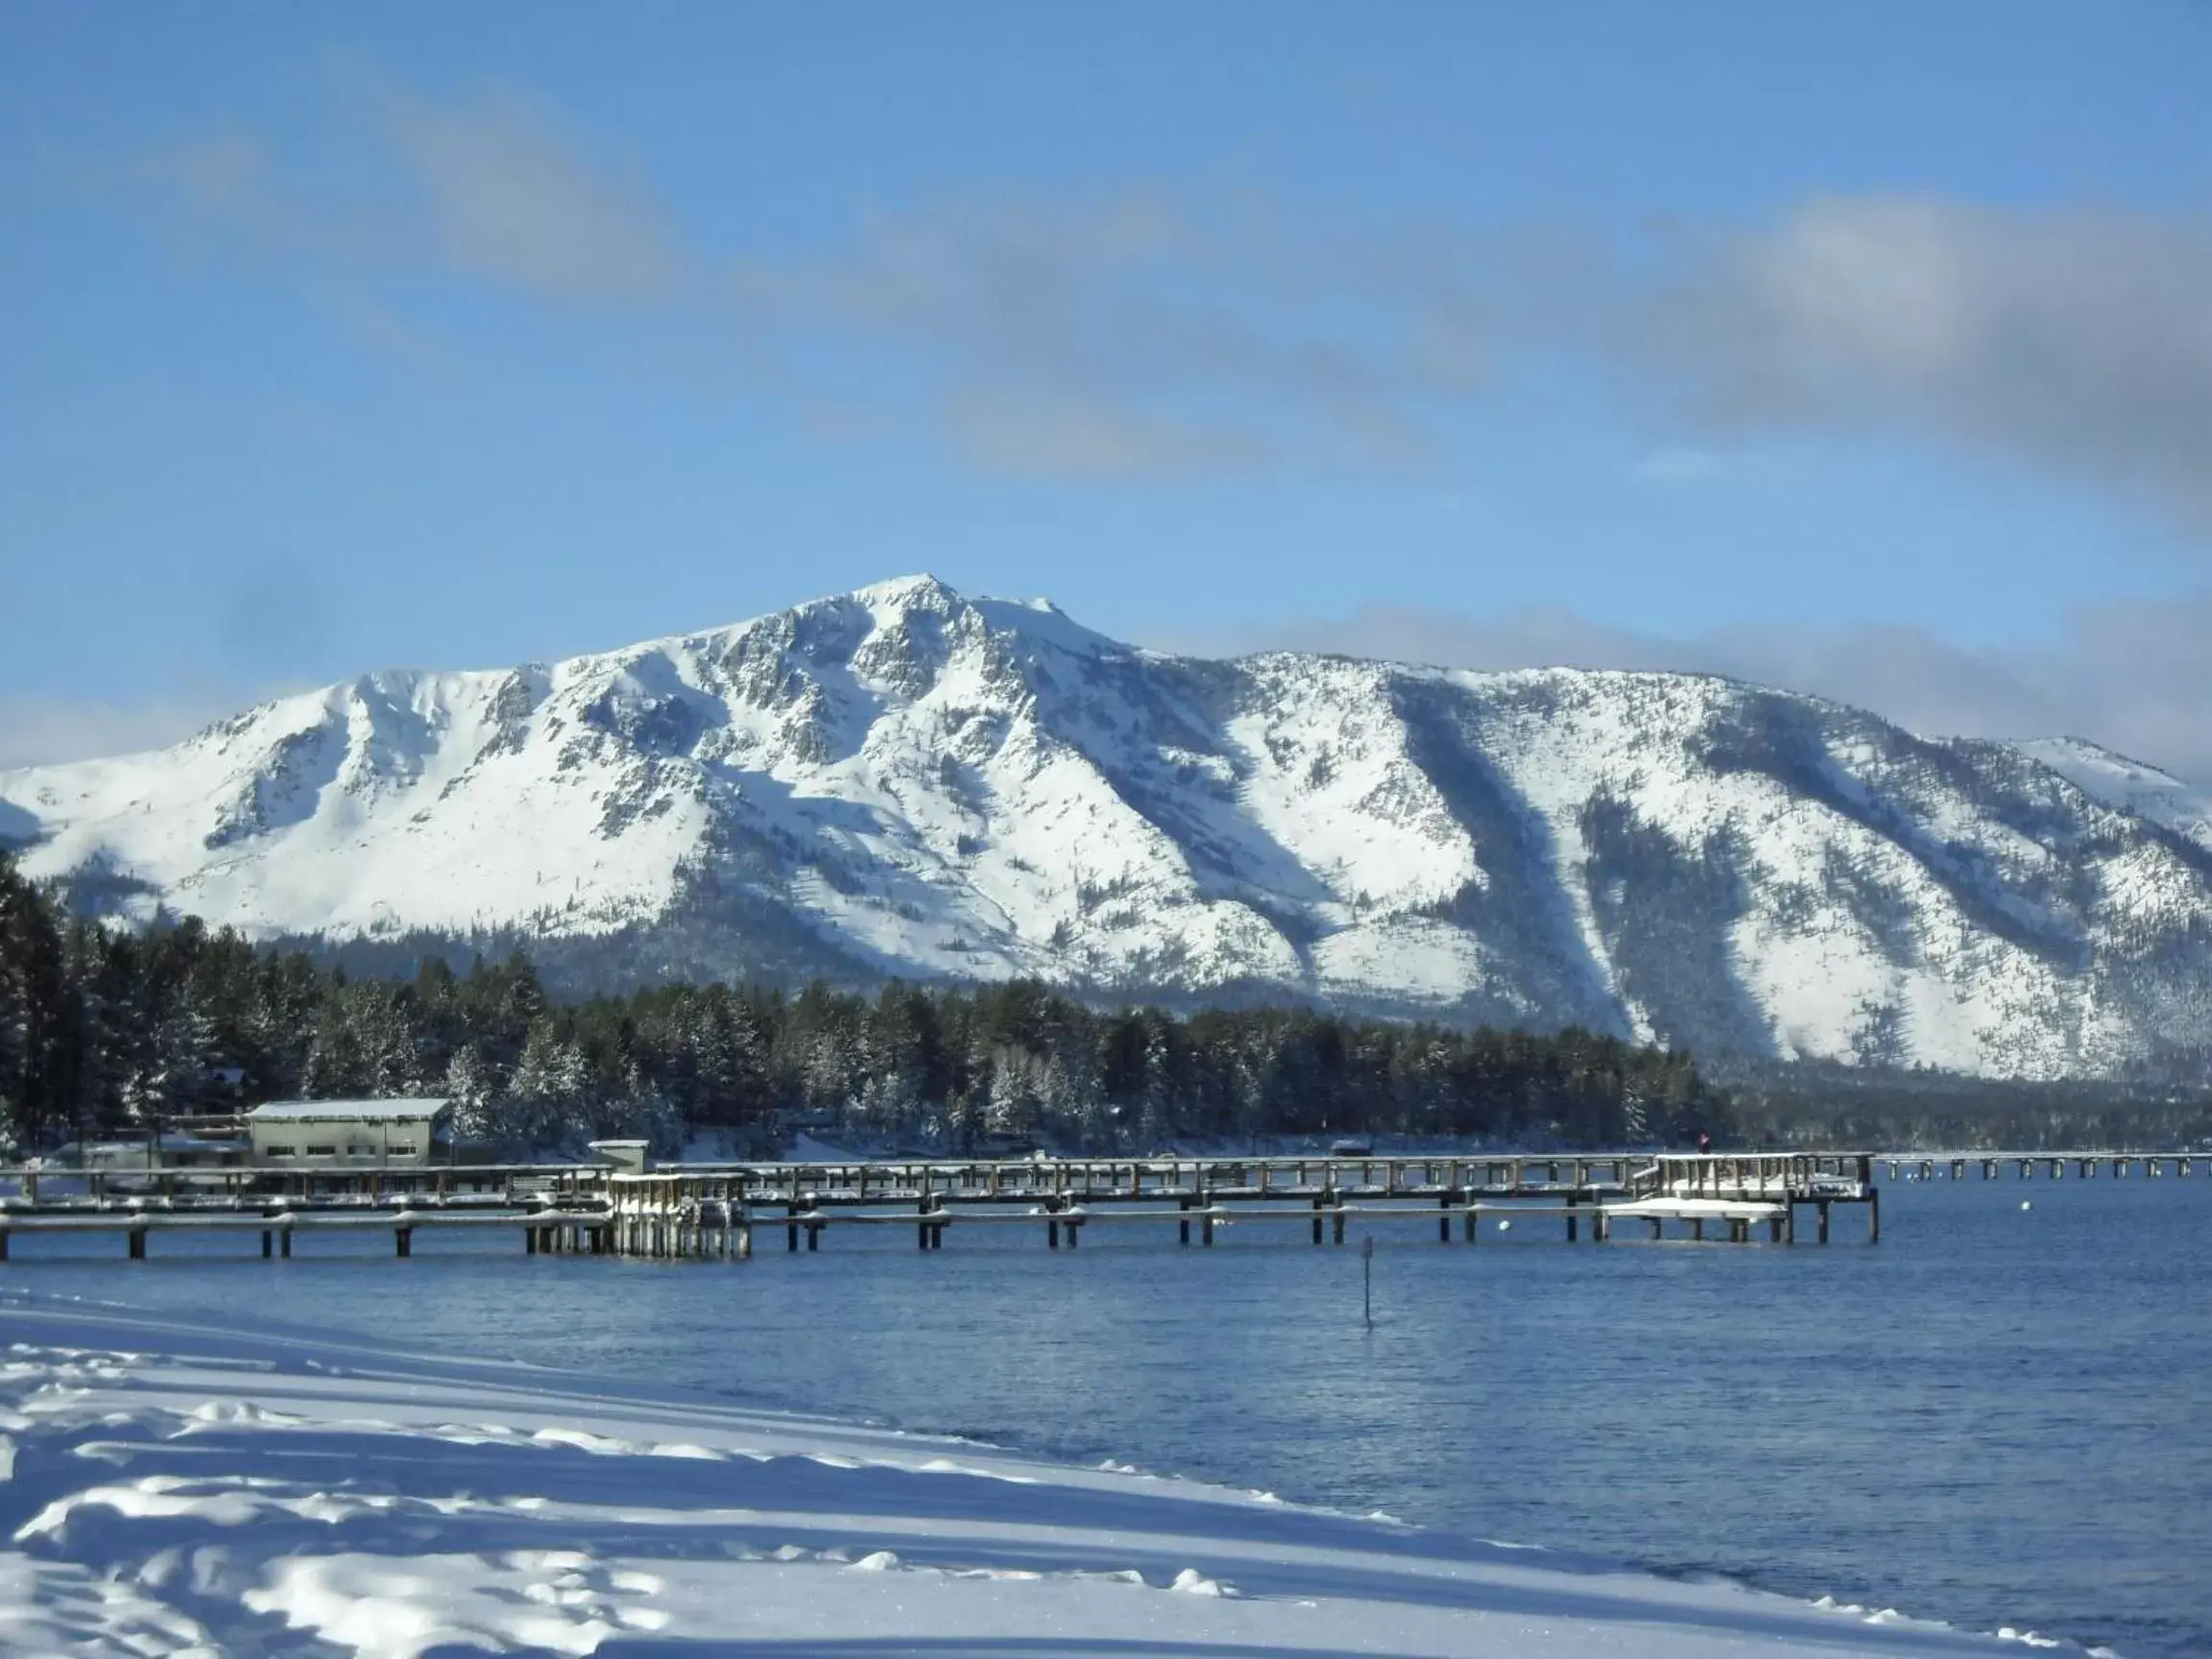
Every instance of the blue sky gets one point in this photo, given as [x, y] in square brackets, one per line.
[1866, 349]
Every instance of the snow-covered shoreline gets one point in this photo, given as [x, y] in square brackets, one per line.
[177, 1490]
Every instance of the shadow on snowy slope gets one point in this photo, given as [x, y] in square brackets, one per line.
[396, 1493]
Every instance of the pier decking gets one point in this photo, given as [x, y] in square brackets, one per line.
[715, 1210]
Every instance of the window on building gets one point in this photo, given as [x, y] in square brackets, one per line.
[402, 1149]
[322, 1151]
[273, 1151]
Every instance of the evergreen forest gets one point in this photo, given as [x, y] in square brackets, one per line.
[107, 1030]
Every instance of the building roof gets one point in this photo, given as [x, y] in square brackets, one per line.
[347, 1111]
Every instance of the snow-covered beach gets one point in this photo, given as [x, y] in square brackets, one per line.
[174, 1489]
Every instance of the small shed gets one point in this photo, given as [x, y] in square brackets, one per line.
[629, 1157]
[340, 1133]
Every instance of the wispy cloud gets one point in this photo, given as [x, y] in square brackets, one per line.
[1132, 333]
[1040, 434]
[1179, 331]
[490, 185]
[223, 174]
[1682, 466]
[2131, 676]
[516, 201]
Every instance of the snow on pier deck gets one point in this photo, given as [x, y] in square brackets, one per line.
[715, 1209]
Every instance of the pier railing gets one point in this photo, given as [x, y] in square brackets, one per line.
[1587, 1177]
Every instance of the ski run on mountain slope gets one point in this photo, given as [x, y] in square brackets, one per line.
[903, 780]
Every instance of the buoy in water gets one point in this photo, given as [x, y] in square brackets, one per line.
[2026, 1205]
[1504, 1226]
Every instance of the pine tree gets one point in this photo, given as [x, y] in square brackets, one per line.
[641, 1112]
[548, 1099]
[335, 1068]
[391, 1045]
[473, 1089]
[1011, 1106]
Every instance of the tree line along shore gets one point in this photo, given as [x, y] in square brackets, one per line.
[106, 1029]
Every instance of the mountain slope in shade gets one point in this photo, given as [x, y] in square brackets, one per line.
[906, 780]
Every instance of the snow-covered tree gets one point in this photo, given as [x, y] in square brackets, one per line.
[473, 1089]
[1014, 1106]
[548, 1099]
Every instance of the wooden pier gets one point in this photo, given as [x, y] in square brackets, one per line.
[715, 1211]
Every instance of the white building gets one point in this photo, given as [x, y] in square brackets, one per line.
[341, 1133]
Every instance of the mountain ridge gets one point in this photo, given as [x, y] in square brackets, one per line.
[905, 780]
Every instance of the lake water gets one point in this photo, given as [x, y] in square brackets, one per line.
[1997, 1417]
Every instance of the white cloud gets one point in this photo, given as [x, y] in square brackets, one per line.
[2073, 341]
[514, 201]
[2069, 340]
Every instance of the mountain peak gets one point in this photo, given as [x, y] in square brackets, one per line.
[920, 591]
[903, 780]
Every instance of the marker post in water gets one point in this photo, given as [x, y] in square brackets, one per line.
[1367, 1277]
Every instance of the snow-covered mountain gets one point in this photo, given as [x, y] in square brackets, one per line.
[906, 780]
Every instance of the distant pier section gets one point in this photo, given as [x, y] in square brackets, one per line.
[2027, 1165]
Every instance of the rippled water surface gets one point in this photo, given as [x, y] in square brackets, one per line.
[1998, 1416]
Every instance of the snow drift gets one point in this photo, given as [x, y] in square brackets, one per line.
[180, 1490]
